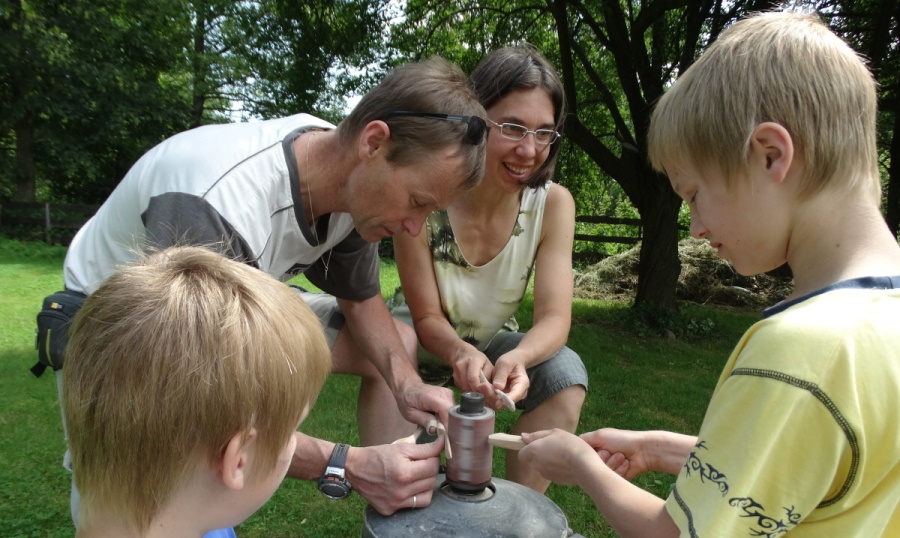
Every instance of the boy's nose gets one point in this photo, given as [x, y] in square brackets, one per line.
[698, 231]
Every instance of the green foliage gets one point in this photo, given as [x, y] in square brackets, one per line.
[83, 100]
[303, 56]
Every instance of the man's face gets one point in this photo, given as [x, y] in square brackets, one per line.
[386, 200]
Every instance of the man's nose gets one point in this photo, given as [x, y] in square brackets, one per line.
[414, 226]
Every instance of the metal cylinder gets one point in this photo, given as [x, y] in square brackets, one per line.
[470, 424]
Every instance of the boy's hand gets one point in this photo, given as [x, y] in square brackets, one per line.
[620, 449]
[557, 454]
[389, 476]
[632, 453]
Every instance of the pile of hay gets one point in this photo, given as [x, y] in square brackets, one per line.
[705, 278]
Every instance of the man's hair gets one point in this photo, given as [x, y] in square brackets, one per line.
[522, 68]
[169, 359]
[773, 67]
[433, 85]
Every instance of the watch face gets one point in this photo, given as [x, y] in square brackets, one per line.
[334, 487]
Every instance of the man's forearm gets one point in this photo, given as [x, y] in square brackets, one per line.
[310, 457]
[374, 332]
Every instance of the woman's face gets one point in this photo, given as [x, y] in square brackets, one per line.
[510, 163]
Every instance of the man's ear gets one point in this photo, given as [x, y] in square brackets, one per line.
[234, 463]
[772, 148]
[374, 138]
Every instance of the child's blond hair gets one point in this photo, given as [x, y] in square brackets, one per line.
[167, 361]
[773, 67]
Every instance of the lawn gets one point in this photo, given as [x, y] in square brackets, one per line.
[639, 380]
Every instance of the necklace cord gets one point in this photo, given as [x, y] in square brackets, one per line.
[312, 215]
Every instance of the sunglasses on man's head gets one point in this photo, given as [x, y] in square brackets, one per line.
[476, 128]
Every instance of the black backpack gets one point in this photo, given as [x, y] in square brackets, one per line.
[52, 328]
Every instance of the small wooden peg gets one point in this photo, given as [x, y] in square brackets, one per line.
[505, 440]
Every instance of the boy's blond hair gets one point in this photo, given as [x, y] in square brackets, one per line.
[167, 361]
[773, 67]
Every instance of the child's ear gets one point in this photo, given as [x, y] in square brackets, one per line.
[234, 461]
[772, 147]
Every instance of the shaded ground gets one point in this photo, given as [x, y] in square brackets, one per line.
[705, 279]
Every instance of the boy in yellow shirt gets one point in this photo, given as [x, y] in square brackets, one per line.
[186, 376]
[770, 139]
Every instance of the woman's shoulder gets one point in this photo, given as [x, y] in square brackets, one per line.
[560, 200]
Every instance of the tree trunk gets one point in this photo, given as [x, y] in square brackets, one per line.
[892, 211]
[25, 161]
[659, 265]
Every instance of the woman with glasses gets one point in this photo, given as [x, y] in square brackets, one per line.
[465, 276]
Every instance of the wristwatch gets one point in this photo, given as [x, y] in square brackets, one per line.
[333, 484]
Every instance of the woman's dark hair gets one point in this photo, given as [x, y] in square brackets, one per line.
[521, 68]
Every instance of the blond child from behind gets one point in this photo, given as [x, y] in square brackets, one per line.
[186, 377]
[770, 139]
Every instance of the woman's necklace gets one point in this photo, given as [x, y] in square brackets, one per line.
[312, 215]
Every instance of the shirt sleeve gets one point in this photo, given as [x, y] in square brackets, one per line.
[349, 270]
[772, 448]
[177, 218]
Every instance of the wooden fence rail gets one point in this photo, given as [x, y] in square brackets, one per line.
[597, 219]
[60, 222]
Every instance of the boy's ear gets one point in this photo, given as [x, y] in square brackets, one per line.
[234, 463]
[373, 138]
[772, 147]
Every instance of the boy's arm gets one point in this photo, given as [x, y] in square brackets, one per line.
[632, 453]
[566, 459]
[387, 476]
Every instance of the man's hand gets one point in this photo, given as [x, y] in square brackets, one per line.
[389, 476]
[420, 402]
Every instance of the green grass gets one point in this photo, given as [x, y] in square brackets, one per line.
[638, 380]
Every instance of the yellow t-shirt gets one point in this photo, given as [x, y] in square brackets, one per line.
[802, 434]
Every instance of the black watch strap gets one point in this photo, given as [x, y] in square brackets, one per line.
[334, 484]
[339, 455]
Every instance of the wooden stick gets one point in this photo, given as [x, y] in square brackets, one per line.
[505, 440]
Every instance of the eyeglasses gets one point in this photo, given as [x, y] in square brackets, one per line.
[543, 137]
[476, 128]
